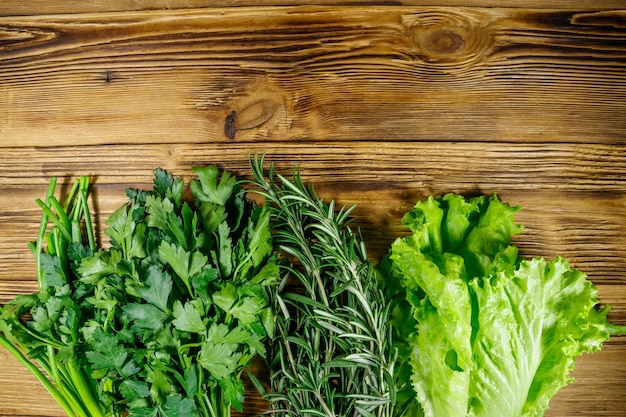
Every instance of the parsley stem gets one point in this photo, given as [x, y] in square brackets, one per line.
[76, 233]
[36, 335]
[84, 391]
[57, 243]
[72, 399]
[68, 387]
[55, 219]
[69, 382]
[54, 369]
[225, 409]
[70, 197]
[190, 345]
[43, 225]
[82, 197]
[212, 401]
[64, 383]
[61, 215]
[49, 386]
[201, 394]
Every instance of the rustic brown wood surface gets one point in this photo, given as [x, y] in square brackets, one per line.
[379, 104]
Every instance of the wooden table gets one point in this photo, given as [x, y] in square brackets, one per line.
[380, 103]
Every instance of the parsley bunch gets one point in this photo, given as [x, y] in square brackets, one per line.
[164, 321]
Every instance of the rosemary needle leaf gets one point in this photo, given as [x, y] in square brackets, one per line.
[333, 354]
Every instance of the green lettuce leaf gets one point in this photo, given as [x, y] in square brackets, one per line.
[531, 324]
[494, 334]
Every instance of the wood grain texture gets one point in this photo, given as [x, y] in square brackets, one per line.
[41, 7]
[380, 105]
[366, 73]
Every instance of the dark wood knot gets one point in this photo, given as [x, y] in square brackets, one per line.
[450, 38]
[443, 41]
[230, 130]
[254, 115]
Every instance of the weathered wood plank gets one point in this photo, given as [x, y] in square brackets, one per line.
[42, 7]
[367, 73]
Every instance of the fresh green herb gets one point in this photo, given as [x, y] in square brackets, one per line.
[163, 321]
[48, 345]
[333, 354]
[488, 333]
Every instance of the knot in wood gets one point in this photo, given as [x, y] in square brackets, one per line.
[443, 41]
[256, 114]
[252, 116]
[261, 108]
[450, 37]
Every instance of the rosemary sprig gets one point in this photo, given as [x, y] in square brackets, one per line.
[334, 353]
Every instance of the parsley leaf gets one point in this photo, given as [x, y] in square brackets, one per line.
[188, 317]
[226, 297]
[260, 237]
[107, 353]
[219, 359]
[158, 209]
[201, 283]
[212, 215]
[184, 264]
[168, 187]
[45, 316]
[121, 230]
[177, 406]
[246, 309]
[225, 253]
[208, 189]
[134, 390]
[157, 289]
[101, 265]
[53, 272]
[233, 390]
[145, 316]
[190, 382]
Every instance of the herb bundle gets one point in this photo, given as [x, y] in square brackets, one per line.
[164, 321]
[334, 354]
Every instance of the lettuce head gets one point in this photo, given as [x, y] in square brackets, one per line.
[490, 333]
